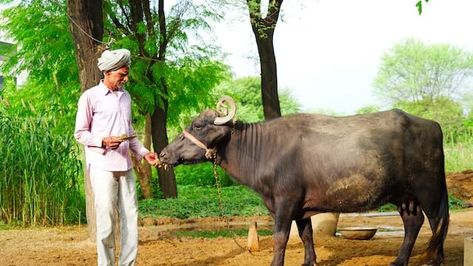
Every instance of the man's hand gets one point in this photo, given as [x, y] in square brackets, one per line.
[152, 158]
[111, 142]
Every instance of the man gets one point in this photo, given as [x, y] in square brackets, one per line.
[103, 126]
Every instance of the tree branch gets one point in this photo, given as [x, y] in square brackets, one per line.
[119, 25]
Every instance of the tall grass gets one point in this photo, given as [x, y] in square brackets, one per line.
[458, 148]
[458, 156]
[39, 173]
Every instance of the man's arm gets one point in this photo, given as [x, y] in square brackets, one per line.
[140, 151]
[82, 131]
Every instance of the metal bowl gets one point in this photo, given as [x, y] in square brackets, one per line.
[358, 233]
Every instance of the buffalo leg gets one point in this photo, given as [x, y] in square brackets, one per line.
[413, 218]
[305, 233]
[437, 214]
[282, 227]
[436, 256]
[280, 237]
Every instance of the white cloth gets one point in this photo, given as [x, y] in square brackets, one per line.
[114, 59]
[101, 113]
[114, 190]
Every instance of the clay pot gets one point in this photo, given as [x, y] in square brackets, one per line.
[325, 224]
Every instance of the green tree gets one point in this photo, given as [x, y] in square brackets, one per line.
[44, 48]
[167, 73]
[419, 6]
[246, 93]
[429, 81]
[368, 109]
[413, 71]
[263, 23]
[166, 76]
[37, 117]
[86, 27]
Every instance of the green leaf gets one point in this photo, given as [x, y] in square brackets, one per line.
[419, 7]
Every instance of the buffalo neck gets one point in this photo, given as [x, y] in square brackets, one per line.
[243, 154]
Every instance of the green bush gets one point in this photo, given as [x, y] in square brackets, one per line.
[194, 201]
[389, 207]
[455, 203]
[201, 175]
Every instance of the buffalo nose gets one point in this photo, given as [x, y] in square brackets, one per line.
[163, 155]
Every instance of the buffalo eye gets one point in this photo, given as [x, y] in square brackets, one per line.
[198, 126]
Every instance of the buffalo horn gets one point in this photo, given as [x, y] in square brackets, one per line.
[225, 115]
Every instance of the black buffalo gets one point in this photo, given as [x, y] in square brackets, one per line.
[306, 164]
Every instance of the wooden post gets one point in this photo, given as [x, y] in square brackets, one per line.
[253, 239]
[468, 251]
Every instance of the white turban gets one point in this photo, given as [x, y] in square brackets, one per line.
[114, 59]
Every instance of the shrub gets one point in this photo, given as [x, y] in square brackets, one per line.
[196, 201]
[201, 175]
[39, 172]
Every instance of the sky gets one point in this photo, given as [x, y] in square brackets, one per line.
[328, 51]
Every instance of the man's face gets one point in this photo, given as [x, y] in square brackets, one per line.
[115, 79]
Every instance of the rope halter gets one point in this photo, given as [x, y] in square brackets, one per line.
[209, 153]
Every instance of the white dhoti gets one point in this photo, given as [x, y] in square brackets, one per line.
[114, 190]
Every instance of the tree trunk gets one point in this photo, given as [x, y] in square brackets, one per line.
[263, 29]
[86, 14]
[269, 78]
[86, 24]
[143, 169]
[140, 14]
[167, 179]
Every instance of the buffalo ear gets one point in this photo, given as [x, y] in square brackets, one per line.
[225, 114]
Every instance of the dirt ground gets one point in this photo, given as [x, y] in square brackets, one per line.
[461, 185]
[160, 246]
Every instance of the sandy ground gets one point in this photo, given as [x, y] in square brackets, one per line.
[159, 246]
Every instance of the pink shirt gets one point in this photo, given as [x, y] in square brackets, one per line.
[102, 113]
